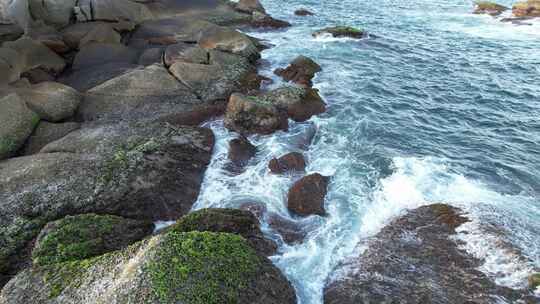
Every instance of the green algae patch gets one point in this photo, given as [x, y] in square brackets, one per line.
[63, 275]
[202, 268]
[207, 219]
[75, 238]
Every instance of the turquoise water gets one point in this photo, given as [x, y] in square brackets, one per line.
[443, 106]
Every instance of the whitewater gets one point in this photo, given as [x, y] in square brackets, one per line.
[438, 106]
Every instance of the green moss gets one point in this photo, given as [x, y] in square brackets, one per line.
[14, 237]
[74, 238]
[202, 268]
[210, 219]
[7, 145]
[125, 157]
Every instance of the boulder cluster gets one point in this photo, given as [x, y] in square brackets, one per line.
[521, 11]
[100, 105]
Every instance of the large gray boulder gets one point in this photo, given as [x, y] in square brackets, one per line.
[79, 34]
[111, 10]
[52, 101]
[170, 31]
[141, 171]
[140, 94]
[173, 267]
[24, 55]
[46, 133]
[97, 53]
[415, 259]
[220, 12]
[224, 74]
[92, 76]
[229, 40]
[17, 122]
[299, 103]
[53, 12]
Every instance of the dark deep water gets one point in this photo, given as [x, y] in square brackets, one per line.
[443, 107]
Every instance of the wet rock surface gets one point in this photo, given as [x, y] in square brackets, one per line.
[241, 151]
[291, 162]
[303, 12]
[306, 196]
[422, 241]
[341, 31]
[301, 71]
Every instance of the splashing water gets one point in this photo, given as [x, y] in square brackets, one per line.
[443, 107]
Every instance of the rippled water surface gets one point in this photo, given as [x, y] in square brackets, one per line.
[444, 106]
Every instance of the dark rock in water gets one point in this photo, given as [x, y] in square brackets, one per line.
[299, 103]
[489, 8]
[92, 76]
[518, 20]
[341, 31]
[415, 260]
[241, 151]
[303, 12]
[250, 6]
[301, 71]
[17, 122]
[306, 196]
[248, 115]
[235, 221]
[291, 232]
[149, 171]
[293, 161]
[172, 267]
[263, 20]
[84, 236]
[46, 133]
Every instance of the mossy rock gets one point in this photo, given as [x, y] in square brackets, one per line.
[490, 8]
[80, 237]
[341, 31]
[173, 267]
[235, 221]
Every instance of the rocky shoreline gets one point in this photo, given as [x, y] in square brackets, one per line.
[101, 106]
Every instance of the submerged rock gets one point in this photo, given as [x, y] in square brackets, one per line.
[249, 115]
[341, 31]
[263, 20]
[293, 161]
[84, 236]
[174, 267]
[17, 122]
[235, 221]
[490, 8]
[529, 8]
[301, 71]
[46, 133]
[306, 196]
[241, 151]
[303, 12]
[149, 171]
[414, 259]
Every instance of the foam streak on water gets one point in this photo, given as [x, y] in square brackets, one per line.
[442, 108]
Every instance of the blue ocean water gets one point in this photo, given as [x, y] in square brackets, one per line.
[443, 106]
